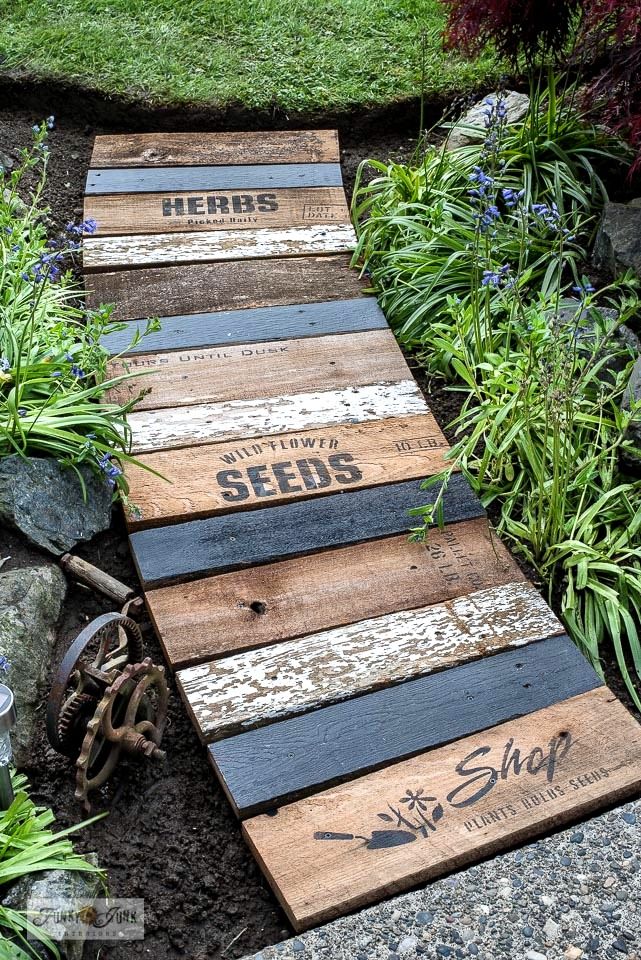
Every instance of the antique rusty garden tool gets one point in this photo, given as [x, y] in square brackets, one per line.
[107, 700]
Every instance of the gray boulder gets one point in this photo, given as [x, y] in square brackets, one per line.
[14, 201]
[617, 247]
[632, 397]
[44, 501]
[623, 346]
[592, 324]
[471, 127]
[66, 888]
[31, 601]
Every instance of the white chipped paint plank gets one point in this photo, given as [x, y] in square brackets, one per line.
[223, 245]
[260, 686]
[209, 422]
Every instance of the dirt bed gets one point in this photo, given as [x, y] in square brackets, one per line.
[170, 836]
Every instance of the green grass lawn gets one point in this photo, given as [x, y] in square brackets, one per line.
[299, 55]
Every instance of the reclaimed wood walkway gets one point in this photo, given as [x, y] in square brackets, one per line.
[378, 712]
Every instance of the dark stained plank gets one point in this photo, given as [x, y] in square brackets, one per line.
[133, 213]
[361, 842]
[253, 370]
[217, 478]
[217, 616]
[166, 554]
[210, 178]
[194, 149]
[262, 324]
[229, 695]
[277, 763]
[170, 291]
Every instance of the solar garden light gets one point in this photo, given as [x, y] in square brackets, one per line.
[8, 719]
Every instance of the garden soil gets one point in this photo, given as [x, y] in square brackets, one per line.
[169, 835]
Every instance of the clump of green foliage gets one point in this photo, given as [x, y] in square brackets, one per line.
[423, 237]
[477, 256]
[28, 845]
[53, 369]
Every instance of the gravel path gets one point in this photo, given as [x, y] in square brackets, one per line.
[575, 894]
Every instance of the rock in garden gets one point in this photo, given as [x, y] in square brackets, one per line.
[632, 396]
[44, 501]
[471, 127]
[617, 247]
[31, 600]
[65, 888]
[586, 324]
[11, 199]
[627, 344]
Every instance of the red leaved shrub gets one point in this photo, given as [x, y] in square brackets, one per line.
[611, 34]
[528, 28]
[605, 35]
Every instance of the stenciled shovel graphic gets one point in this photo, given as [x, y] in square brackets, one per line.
[378, 840]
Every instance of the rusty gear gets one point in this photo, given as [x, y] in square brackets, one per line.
[130, 717]
[74, 716]
[84, 675]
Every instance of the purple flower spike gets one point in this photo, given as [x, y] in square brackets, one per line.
[585, 288]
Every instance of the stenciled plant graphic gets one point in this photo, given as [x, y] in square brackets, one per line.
[406, 829]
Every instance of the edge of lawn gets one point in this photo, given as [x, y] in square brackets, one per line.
[49, 94]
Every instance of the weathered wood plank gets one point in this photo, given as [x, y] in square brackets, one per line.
[218, 478]
[271, 765]
[179, 378]
[230, 327]
[207, 177]
[153, 249]
[225, 285]
[251, 689]
[184, 550]
[245, 609]
[243, 419]
[249, 209]
[194, 149]
[369, 839]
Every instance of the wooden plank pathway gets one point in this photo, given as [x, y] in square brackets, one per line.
[377, 711]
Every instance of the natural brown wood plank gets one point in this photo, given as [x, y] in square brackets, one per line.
[410, 822]
[246, 209]
[187, 149]
[252, 370]
[229, 285]
[257, 687]
[237, 611]
[220, 477]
